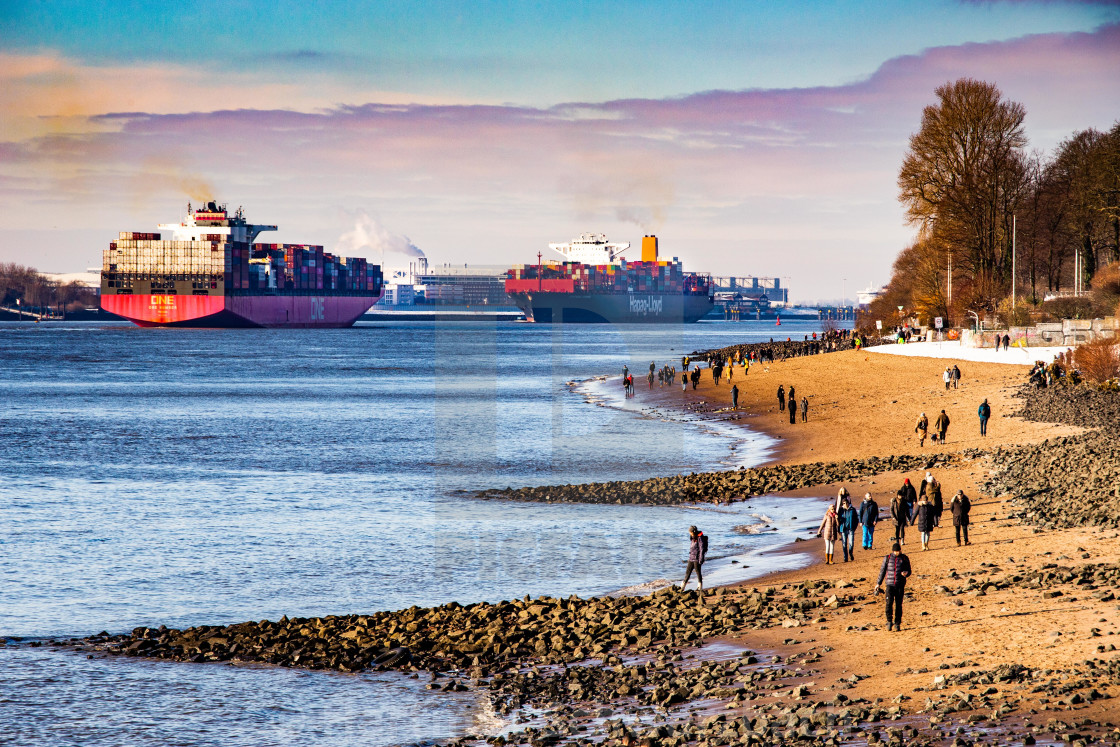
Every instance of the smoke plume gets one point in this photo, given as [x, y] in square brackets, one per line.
[369, 236]
[634, 194]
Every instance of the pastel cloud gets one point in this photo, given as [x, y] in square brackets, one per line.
[754, 181]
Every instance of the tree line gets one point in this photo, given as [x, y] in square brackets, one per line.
[989, 211]
[30, 288]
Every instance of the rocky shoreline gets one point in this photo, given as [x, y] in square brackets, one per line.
[1068, 481]
[479, 638]
[726, 486]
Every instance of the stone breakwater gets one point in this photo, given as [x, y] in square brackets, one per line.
[1068, 481]
[480, 638]
[724, 487]
[1082, 405]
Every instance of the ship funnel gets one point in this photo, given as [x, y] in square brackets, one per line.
[649, 248]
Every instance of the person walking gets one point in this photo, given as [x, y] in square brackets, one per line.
[956, 375]
[895, 571]
[869, 517]
[922, 429]
[792, 411]
[923, 517]
[931, 489]
[960, 506]
[985, 412]
[684, 381]
[830, 531]
[804, 409]
[791, 397]
[781, 398]
[902, 508]
[849, 520]
[735, 397]
[947, 377]
[697, 550]
[942, 426]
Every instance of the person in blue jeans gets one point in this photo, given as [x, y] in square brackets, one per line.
[849, 520]
[869, 517]
[985, 412]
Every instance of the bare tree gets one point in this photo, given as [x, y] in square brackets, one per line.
[962, 178]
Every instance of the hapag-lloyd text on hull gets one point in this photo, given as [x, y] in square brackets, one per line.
[646, 304]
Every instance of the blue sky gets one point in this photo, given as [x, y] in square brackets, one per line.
[754, 138]
[536, 53]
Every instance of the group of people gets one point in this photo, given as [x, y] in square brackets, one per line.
[841, 521]
[941, 425]
[924, 509]
[909, 507]
[788, 400]
[951, 376]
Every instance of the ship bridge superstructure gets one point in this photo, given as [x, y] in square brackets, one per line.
[591, 249]
[214, 219]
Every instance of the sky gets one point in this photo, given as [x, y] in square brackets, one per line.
[754, 138]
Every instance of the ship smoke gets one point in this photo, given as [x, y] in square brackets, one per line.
[370, 236]
[634, 194]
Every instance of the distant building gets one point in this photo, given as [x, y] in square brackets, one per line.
[398, 294]
[447, 285]
[763, 291]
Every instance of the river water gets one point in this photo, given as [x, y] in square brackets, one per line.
[186, 477]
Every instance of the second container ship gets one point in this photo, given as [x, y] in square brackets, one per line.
[595, 285]
[210, 273]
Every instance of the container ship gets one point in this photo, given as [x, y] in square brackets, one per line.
[593, 284]
[210, 273]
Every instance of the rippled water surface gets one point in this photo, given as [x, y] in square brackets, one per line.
[185, 477]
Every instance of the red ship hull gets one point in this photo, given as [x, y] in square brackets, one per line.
[240, 310]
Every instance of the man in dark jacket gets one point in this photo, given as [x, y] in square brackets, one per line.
[985, 412]
[869, 517]
[697, 549]
[895, 571]
[781, 398]
[960, 506]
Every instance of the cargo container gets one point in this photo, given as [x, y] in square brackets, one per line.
[212, 274]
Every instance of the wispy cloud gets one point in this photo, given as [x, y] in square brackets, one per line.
[751, 181]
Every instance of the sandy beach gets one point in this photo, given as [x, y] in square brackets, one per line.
[864, 403]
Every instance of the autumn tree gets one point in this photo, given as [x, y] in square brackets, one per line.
[961, 181]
